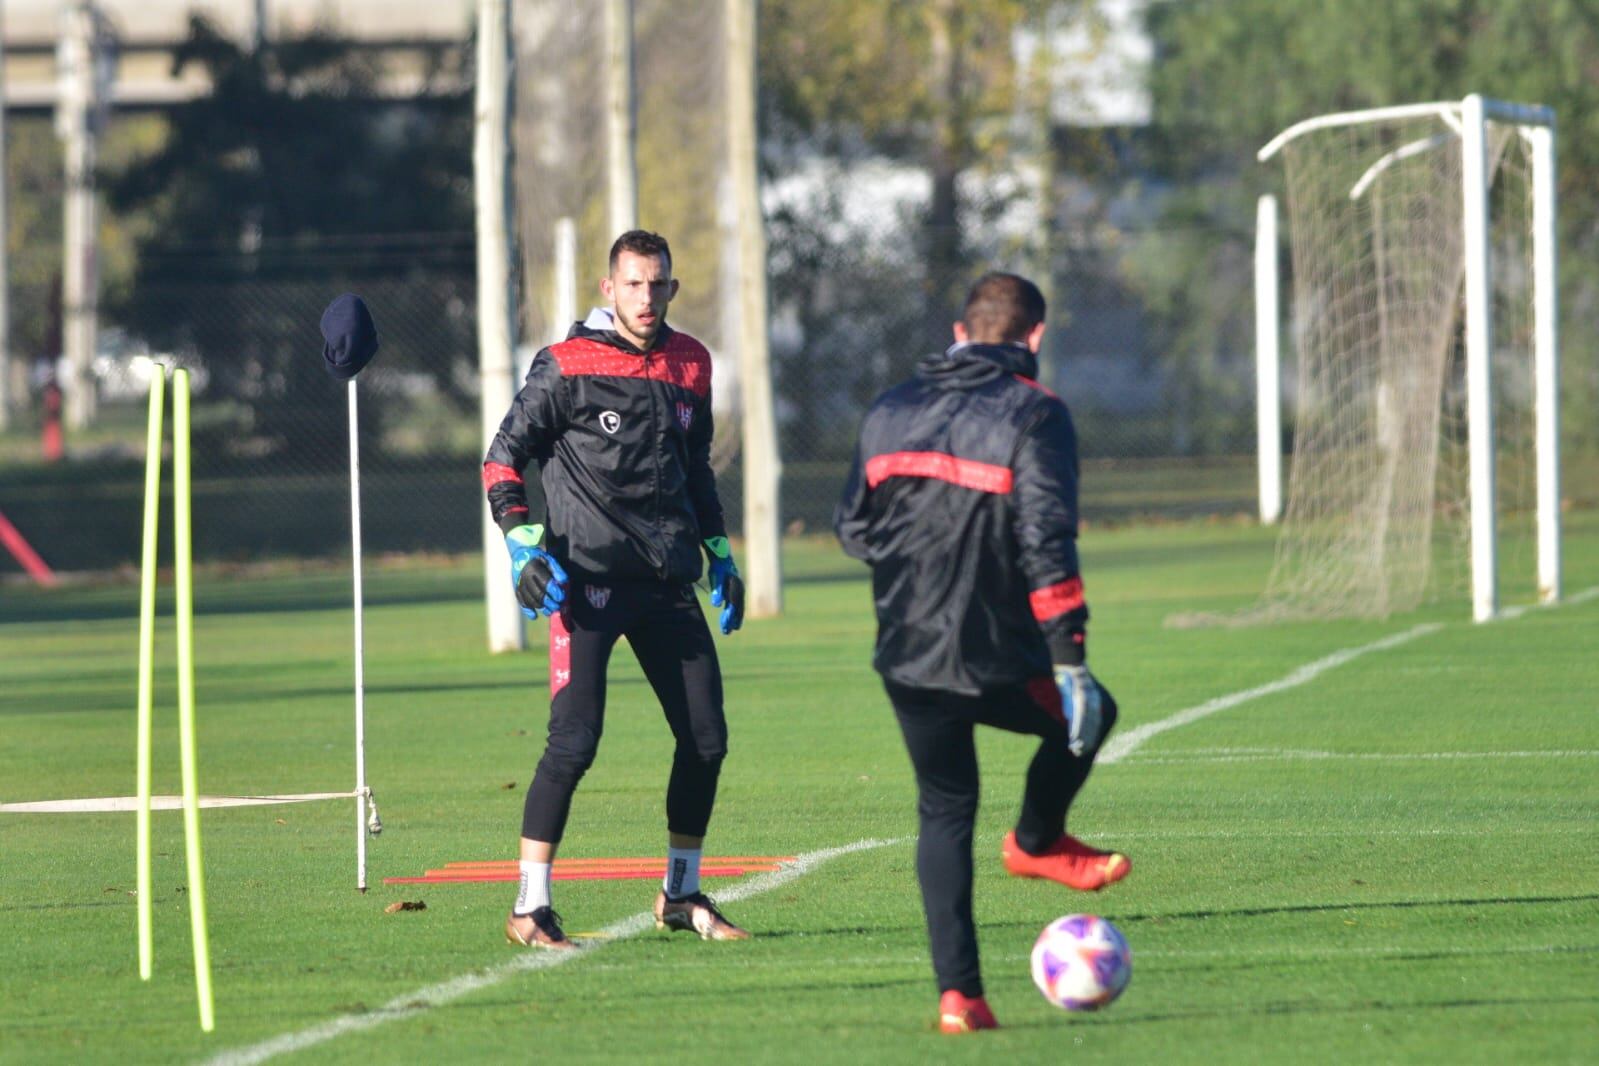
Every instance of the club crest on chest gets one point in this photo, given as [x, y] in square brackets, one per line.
[598, 595]
[610, 421]
[685, 414]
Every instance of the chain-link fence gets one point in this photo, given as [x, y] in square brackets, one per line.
[270, 444]
[270, 428]
[1163, 397]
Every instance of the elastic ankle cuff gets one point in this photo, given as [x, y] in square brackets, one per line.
[1033, 846]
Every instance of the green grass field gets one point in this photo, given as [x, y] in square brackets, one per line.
[1394, 859]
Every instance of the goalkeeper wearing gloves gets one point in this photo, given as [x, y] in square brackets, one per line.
[617, 419]
[963, 500]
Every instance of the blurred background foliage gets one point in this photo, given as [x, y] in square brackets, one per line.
[905, 149]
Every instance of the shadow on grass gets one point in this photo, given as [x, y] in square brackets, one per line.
[121, 603]
[845, 930]
[1267, 1010]
[336, 692]
[1317, 908]
[1212, 965]
[237, 682]
[220, 595]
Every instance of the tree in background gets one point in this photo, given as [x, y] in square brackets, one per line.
[35, 184]
[1233, 73]
[290, 181]
[933, 86]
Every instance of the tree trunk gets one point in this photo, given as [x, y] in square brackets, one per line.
[948, 154]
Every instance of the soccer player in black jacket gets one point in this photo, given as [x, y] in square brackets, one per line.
[617, 418]
[963, 499]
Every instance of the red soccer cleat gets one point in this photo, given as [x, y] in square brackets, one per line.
[959, 1013]
[1069, 861]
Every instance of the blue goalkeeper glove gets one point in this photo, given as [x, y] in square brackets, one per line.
[727, 588]
[1084, 705]
[540, 582]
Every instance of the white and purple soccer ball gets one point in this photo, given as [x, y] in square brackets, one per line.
[1081, 962]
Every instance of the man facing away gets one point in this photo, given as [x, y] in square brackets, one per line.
[617, 418]
[963, 500]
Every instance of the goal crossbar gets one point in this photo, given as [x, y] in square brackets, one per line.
[1449, 110]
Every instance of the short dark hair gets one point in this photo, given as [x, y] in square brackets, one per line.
[1002, 308]
[641, 242]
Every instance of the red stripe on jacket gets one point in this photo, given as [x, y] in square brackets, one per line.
[1052, 601]
[683, 361]
[967, 473]
[495, 473]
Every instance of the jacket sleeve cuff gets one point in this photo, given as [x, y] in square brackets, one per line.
[1067, 647]
[513, 517]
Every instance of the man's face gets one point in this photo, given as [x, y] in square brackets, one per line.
[639, 289]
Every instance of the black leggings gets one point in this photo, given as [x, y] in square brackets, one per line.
[938, 730]
[667, 632]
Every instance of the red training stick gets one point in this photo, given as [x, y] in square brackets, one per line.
[24, 554]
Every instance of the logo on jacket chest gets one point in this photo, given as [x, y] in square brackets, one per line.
[610, 421]
[685, 414]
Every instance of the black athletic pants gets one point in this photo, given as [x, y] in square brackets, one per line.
[938, 729]
[666, 629]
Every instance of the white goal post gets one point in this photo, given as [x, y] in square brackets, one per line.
[1391, 267]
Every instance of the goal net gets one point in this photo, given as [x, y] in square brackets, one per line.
[1414, 321]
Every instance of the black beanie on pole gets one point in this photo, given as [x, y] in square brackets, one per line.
[349, 335]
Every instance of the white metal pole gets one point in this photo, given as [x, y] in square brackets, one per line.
[1546, 332]
[495, 326]
[8, 396]
[565, 279]
[1268, 387]
[621, 114]
[1479, 361]
[360, 641]
[730, 296]
[79, 283]
[762, 464]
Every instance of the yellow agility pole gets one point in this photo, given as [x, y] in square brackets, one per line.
[183, 565]
[147, 576]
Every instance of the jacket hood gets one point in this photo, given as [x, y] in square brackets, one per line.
[964, 366]
[600, 326]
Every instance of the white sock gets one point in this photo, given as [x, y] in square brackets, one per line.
[682, 872]
[535, 888]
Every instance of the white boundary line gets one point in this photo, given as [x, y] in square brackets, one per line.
[411, 1004]
[1119, 747]
[121, 804]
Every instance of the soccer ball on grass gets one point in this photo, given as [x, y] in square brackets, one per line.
[1081, 962]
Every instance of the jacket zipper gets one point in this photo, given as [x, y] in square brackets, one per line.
[655, 451]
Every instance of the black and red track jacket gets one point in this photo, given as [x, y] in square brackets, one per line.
[622, 438]
[963, 498]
